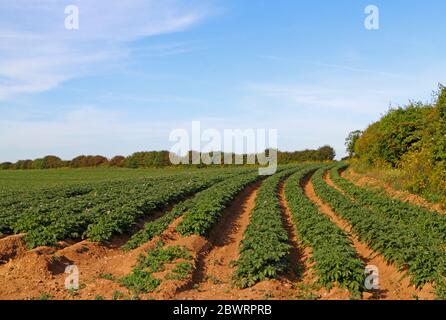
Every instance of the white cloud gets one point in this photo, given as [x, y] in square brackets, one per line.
[37, 53]
[84, 130]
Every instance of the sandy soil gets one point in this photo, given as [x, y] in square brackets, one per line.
[31, 274]
[301, 256]
[212, 279]
[393, 283]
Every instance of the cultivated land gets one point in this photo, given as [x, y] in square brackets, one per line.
[307, 232]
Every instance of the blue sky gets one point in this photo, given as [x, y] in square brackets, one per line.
[136, 70]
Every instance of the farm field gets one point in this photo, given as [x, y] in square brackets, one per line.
[38, 179]
[306, 232]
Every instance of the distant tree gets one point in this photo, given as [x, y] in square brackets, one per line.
[79, 162]
[147, 159]
[97, 161]
[23, 165]
[350, 142]
[117, 161]
[326, 153]
[439, 130]
[51, 162]
[88, 161]
[6, 165]
[38, 164]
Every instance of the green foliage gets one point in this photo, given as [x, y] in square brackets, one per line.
[335, 259]
[45, 296]
[156, 228]
[6, 166]
[147, 159]
[155, 260]
[181, 271]
[350, 142]
[88, 161]
[402, 241]
[325, 153]
[161, 159]
[265, 247]
[98, 211]
[117, 295]
[412, 138]
[117, 161]
[141, 280]
[207, 208]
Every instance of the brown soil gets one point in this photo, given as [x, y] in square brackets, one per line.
[11, 247]
[33, 274]
[393, 284]
[375, 184]
[41, 271]
[331, 183]
[300, 256]
[212, 277]
[213, 274]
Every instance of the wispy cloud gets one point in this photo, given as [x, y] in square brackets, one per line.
[314, 98]
[37, 53]
[334, 66]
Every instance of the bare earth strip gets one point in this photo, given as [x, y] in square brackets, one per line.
[300, 257]
[375, 184]
[212, 279]
[393, 284]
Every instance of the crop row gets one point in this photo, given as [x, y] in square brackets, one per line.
[431, 224]
[201, 212]
[207, 207]
[264, 249]
[418, 253]
[100, 211]
[335, 260]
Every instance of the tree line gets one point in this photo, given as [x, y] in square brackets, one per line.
[411, 139]
[152, 159]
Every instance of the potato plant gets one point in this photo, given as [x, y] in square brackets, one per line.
[264, 249]
[432, 224]
[97, 212]
[221, 194]
[418, 253]
[208, 207]
[335, 259]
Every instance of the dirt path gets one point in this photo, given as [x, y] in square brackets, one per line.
[393, 285]
[212, 277]
[330, 182]
[375, 184]
[300, 257]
